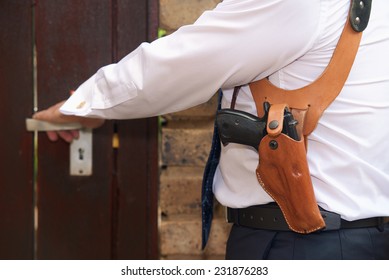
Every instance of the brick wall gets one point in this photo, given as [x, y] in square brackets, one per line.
[185, 143]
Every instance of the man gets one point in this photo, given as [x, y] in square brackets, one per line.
[291, 43]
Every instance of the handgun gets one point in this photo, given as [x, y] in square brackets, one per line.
[240, 127]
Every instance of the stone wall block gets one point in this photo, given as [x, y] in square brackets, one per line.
[176, 13]
[186, 147]
[203, 111]
[183, 237]
[180, 191]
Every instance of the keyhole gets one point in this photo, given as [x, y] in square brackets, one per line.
[81, 152]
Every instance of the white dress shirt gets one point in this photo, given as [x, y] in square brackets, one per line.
[291, 41]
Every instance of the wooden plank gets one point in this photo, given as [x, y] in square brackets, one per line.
[137, 181]
[16, 165]
[137, 167]
[73, 41]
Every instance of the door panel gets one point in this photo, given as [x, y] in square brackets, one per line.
[73, 41]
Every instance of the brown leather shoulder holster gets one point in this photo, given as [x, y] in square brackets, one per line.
[283, 169]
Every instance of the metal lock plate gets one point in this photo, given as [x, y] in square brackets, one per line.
[81, 154]
[80, 149]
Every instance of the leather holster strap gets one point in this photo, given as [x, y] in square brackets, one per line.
[270, 217]
[317, 96]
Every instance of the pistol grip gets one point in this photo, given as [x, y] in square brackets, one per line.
[240, 127]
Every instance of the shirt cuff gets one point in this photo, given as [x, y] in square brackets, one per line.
[97, 96]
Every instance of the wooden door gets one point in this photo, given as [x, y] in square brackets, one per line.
[44, 212]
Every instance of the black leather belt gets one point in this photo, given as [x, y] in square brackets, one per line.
[269, 217]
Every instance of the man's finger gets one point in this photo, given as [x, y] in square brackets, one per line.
[66, 135]
[52, 135]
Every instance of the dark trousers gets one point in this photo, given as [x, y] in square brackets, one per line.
[345, 244]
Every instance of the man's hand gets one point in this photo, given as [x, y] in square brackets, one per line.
[53, 115]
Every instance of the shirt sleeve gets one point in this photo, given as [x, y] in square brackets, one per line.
[234, 44]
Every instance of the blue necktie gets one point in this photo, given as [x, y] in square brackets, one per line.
[209, 172]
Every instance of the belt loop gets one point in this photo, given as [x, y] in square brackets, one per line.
[381, 224]
[233, 215]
